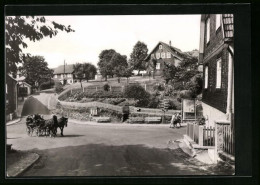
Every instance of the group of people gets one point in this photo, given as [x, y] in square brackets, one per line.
[176, 119]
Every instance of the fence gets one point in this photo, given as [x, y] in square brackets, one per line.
[228, 140]
[208, 136]
[202, 135]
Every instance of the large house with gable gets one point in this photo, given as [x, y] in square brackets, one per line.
[64, 72]
[165, 53]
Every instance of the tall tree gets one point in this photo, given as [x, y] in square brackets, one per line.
[128, 72]
[104, 63]
[36, 71]
[138, 55]
[89, 71]
[169, 71]
[119, 63]
[19, 28]
[79, 72]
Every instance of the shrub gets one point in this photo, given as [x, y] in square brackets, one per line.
[136, 91]
[158, 87]
[106, 87]
[174, 104]
[47, 85]
[153, 102]
[58, 87]
[185, 94]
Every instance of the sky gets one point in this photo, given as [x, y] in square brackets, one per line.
[96, 33]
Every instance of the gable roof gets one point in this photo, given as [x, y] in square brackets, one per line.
[60, 69]
[173, 50]
[25, 83]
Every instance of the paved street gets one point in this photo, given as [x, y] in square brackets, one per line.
[105, 150]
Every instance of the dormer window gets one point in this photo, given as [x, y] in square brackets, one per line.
[157, 55]
[160, 46]
[217, 21]
[208, 30]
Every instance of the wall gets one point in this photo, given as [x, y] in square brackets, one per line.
[212, 114]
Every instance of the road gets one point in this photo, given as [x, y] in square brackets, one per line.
[109, 150]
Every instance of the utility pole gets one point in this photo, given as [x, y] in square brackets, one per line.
[64, 74]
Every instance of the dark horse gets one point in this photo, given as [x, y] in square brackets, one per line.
[61, 123]
[48, 126]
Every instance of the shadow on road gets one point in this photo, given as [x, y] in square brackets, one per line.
[125, 160]
[34, 106]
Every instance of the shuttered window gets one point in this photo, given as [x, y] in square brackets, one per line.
[206, 77]
[157, 55]
[217, 21]
[163, 55]
[168, 55]
[208, 30]
[218, 79]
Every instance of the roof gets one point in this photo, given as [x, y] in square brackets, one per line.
[173, 50]
[228, 25]
[60, 69]
[193, 53]
[21, 78]
[20, 83]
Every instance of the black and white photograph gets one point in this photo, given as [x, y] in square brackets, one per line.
[120, 95]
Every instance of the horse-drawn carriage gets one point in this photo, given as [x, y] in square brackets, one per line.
[36, 124]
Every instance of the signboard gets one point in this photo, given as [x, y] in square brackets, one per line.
[189, 109]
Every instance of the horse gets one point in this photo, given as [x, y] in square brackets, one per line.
[48, 126]
[61, 123]
[176, 118]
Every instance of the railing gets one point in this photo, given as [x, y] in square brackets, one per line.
[228, 140]
[208, 136]
[202, 135]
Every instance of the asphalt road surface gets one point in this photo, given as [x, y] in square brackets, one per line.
[105, 150]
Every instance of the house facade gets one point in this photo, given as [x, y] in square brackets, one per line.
[165, 53]
[24, 89]
[216, 54]
[64, 72]
[10, 97]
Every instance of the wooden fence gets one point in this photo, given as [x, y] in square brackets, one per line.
[228, 140]
[202, 135]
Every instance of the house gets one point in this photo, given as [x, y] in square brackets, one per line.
[216, 54]
[10, 97]
[24, 89]
[166, 53]
[64, 72]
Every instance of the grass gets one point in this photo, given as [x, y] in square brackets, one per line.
[114, 82]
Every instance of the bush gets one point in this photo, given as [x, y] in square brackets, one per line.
[106, 87]
[136, 91]
[159, 87]
[47, 85]
[175, 104]
[153, 102]
[58, 87]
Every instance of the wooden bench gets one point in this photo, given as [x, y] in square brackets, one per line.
[153, 119]
[102, 119]
[136, 120]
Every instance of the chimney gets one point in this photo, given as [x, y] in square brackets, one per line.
[170, 43]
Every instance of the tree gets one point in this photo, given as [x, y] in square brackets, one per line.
[19, 28]
[127, 73]
[138, 55]
[104, 63]
[151, 66]
[36, 71]
[89, 71]
[79, 72]
[169, 72]
[119, 63]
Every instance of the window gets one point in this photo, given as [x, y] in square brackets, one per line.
[55, 76]
[69, 75]
[163, 55]
[157, 65]
[218, 79]
[152, 55]
[208, 29]
[160, 46]
[217, 21]
[157, 55]
[206, 77]
[168, 55]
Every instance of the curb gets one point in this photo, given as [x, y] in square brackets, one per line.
[27, 167]
[13, 122]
